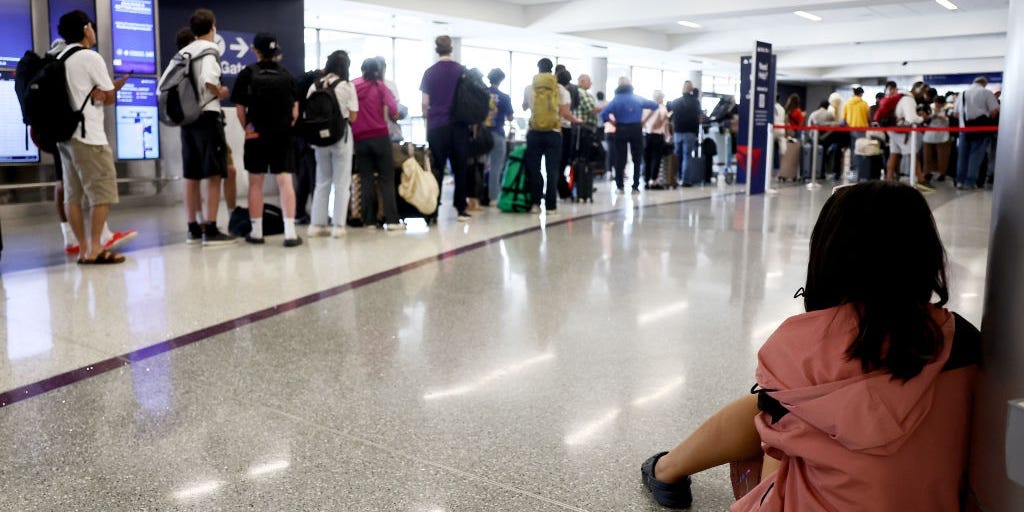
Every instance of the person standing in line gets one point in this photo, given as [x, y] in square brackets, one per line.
[90, 172]
[900, 143]
[109, 240]
[448, 140]
[794, 115]
[686, 116]
[203, 143]
[496, 124]
[548, 103]
[976, 106]
[267, 106]
[627, 108]
[334, 162]
[936, 144]
[394, 129]
[656, 129]
[373, 145]
[564, 78]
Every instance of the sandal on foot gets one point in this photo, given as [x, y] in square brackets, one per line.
[676, 495]
[103, 258]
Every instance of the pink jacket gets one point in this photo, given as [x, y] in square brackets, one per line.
[854, 441]
[373, 98]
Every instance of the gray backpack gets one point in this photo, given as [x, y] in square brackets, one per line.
[180, 92]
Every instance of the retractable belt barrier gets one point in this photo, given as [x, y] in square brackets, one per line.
[912, 130]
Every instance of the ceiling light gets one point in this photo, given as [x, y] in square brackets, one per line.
[947, 4]
[807, 15]
[689, 24]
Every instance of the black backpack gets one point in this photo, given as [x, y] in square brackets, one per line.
[472, 100]
[320, 120]
[42, 88]
[271, 99]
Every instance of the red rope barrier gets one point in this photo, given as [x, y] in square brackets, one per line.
[896, 129]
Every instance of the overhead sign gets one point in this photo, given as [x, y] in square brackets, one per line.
[133, 36]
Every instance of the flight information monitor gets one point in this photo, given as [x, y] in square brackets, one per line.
[59, 8]
[15, 144]
[133, 36]
[138, 123]
[16, 35]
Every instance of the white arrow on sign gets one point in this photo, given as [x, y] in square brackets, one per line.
[239, 47]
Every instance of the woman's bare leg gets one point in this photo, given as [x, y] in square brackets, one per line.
[726, 437]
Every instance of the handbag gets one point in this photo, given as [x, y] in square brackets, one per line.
[419, 187]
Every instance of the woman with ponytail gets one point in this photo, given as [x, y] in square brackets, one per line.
[863, 402]
[373, 145]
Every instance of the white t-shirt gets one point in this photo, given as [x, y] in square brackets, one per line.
[564, 98]
[207, 71]
[86, 71]
[906, 111]
[345, 91]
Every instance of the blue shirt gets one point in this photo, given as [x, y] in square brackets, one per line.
[628, 108]
[496, 118]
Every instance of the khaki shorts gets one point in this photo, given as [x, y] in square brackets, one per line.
[88, 173]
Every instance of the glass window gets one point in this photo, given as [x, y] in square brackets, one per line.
[614, 72]
[359, 47]
[412, 58]
[524, 68]
[312, 49]
[707, 83]
[646, 81]
[576, 67]
[486, 59]
[672, 81]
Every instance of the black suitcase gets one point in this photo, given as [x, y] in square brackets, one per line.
[582, 170]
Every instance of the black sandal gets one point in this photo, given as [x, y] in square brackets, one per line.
[103, 258]
[676, 495]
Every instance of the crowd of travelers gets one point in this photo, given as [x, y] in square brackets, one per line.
[919, 106]
[332, 133]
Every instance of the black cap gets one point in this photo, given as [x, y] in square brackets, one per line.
[266, 44]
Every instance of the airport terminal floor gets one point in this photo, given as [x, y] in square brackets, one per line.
[501, 365]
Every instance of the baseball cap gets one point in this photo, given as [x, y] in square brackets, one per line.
[266, 44]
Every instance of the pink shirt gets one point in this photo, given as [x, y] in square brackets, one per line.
[854, 441]
[373, 97]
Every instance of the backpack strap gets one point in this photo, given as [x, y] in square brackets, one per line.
[67, 55]
[208, 52]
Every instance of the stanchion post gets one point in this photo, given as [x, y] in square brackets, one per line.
[813, 184]
[913, 158]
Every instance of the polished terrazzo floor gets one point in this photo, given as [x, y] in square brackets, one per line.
[532, 372]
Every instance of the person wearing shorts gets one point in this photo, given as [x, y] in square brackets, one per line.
[267, 151]
[902, 144]
[89, 172]
[203, 144]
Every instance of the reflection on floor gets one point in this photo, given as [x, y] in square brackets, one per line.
[534, 372]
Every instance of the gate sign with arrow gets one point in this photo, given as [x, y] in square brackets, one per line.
[235, 53]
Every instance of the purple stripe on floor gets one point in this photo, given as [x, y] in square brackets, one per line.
[65, 379]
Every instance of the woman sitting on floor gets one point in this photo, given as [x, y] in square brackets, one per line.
[863, 402]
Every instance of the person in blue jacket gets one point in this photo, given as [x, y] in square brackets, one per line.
[626, 112]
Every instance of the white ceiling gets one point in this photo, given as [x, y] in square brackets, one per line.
[856, 38]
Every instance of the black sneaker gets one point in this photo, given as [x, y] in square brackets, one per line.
[293, 242]
[194, 235]
[677, 495]
[214, 237]
[255, 241]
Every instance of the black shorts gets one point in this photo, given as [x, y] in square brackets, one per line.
[273, 154]
[204, 148]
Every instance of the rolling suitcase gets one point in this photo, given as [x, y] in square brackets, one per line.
[789, 165]
[668, 177]
[807, 159]
[581, 172]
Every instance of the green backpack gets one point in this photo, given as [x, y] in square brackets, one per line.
[515, 195]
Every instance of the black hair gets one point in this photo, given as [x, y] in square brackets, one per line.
[891, 85]
[564, 77]
[559, 68]
[184, 37]
[496, 76]
[371, 70]
[824, 104]
[941, 100]
[858, 223]
[338, 63]
[544, 65]
[202, 22]
[858, 91]
[71, 26]
[600, 95]
[879, 96]
[383, 64]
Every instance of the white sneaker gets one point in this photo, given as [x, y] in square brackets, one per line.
[317, 231]
[338, 232]
[397, 226]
